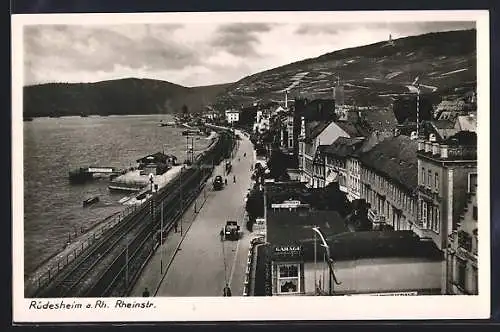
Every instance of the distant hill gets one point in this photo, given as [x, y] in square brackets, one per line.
[123, 96]
[374, 74]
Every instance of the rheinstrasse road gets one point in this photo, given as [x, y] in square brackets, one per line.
[198, 267]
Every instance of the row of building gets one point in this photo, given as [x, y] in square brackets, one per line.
[420, 187]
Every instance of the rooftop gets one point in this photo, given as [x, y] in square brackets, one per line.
[293, 227]
[343, 147]
[314, 128]
[353, 129]
[286, 228]
[395, 158]
[157, 157]
[380, 119]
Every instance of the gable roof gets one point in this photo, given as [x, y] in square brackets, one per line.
[443, 124]
[395, 158]
[314, 128]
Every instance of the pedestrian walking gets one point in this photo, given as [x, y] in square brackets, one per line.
[227, 290]
[225, 181]
[145, 293]
[175, 226]
[234, 178]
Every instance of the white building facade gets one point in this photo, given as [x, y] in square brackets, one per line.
[232, 116]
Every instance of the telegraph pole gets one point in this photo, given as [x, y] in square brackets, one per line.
[418, 111]
[126, 266]
[181, 198]
[152, 213]
[161, 239]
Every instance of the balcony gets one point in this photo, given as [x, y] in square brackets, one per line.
[429, 192]
[375, 218]
[448, 152]
[466, 255]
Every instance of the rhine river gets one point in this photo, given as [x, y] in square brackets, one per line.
[53, 146]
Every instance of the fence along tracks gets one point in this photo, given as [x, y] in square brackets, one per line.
[102, 270]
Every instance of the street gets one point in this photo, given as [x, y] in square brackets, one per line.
[199, 267]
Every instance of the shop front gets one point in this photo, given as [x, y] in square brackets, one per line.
[287, 270]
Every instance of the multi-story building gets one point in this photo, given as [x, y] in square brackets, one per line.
[447, 174]
[389, 182]
[314, 134]
[462, 252]
[336, 162]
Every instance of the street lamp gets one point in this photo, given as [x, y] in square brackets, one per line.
[325, 245]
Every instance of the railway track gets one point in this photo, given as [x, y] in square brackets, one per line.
[100, 271]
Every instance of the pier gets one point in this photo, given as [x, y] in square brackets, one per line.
[85, 174]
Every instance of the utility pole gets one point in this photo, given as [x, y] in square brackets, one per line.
[187, 148]
[152, 212]
[192, 150]
[126, 266]
[181, 198]
[161, 239]
[418, 111]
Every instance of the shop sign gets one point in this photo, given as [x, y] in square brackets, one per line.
[288, 205]
[288, 251]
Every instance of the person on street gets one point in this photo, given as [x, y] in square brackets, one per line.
[175, 226]
[145, 293]
[225, 181]
[234, 178]
[245, 154]
[227, 290]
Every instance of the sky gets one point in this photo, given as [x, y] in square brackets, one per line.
[193, 54]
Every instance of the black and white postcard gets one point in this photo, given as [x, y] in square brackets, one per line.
[251, 166]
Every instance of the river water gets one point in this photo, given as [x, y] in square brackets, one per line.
[54, 146]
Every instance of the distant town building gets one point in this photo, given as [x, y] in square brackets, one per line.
[450, 125]
[232, 116]
[338, 94]
[156, 164]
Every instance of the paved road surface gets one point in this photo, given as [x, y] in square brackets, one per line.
[198, 267]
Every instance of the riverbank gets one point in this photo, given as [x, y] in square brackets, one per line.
[82, 240]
